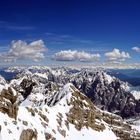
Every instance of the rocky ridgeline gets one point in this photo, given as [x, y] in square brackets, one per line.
[106, 92]
[37, 95]
[84, 114]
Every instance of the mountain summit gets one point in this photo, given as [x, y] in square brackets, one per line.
[33, 106]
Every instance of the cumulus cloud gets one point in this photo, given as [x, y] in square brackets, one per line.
[137, 49]
[117, 56]
[21, 50]
[69, 55]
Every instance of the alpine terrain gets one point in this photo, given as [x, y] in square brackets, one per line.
[42, 103]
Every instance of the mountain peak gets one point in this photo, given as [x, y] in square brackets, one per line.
[45, 105]
[64, 94]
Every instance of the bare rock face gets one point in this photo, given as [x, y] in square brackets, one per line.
[8, 103]
[83, 114]
[49, 137]
[28, 134]
[107, 93]
[81, 117]
[27, 86]
[121, 129]
[8, 94]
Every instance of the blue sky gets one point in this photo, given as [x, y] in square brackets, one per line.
[92, 26]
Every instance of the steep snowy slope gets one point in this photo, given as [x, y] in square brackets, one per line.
[3, 83]
[68, 114]
[135, 91]
[44, 122]
[105, 91]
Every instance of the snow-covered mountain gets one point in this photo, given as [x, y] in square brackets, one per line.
[106, 92]
[135, 91]
[60, 104]
[68, 115]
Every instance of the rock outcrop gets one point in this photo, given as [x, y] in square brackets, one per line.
[8, 103]
[28, 134]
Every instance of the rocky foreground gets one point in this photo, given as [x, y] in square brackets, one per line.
[63, 104]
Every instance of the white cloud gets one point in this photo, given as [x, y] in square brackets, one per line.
[21, 50]
[137, 49]
[69, 55]
[117, 56]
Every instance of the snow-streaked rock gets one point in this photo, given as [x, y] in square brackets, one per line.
[52, 121]
[50, 105]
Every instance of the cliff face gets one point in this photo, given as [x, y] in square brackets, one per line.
[69, 114]
[33, 106]
[105, 91]
[108, 93]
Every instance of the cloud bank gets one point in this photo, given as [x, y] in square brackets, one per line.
[117, 56]
[69, 55]
[21, 50]
[137, 49]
